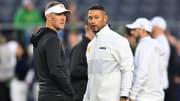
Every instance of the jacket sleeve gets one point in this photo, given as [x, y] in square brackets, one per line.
[124, 57]
[141, 71]
[56, 68]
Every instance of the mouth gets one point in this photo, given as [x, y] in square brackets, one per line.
[93, 26]
[62, 23]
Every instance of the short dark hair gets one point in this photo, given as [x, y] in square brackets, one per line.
[97, 7]
[51, 4]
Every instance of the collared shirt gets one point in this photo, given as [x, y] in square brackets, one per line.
[147, 76]
[162, 40]
[110, 67]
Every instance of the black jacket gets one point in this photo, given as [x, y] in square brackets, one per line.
[78, 64]
[50, 65]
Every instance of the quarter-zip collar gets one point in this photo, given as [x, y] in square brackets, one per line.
[145, 38]
[103, 30]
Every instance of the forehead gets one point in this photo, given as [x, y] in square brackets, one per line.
[95, 12]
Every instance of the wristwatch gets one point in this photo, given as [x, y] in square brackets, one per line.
[124, 97]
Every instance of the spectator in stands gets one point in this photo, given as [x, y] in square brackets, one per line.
[147, 75]
[19, 86]
[177, 71]
[75, 17]
[27, 19]
[74, 36]
[8, 52]
[75, 20]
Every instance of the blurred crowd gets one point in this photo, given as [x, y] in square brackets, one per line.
[17, 78]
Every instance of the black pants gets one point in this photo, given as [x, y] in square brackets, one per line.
[79, 89]
[53, 97]
[4, 92]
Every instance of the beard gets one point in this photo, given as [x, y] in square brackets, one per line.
[137, 37]
[95, 30]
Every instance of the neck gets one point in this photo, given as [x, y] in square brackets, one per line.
[143, 35]
[103, 26]
[99, 29]
[158, 32]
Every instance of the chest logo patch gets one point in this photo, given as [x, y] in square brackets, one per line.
[104, 48]
[88, 50]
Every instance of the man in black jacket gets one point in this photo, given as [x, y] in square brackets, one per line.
[50, 58]
[78, 64]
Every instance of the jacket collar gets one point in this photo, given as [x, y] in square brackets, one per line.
[145, 38]
[103, 30]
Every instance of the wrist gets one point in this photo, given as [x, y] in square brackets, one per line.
[124, 97]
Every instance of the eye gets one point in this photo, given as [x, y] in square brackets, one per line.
[89, 18]
[96, 17]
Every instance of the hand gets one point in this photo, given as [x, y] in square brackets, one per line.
[122, 99]
[131, 99]
[177, 79]
[89, 34]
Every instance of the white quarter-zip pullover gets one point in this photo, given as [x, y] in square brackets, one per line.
[162, 40]
[147, 75]
[110, 67]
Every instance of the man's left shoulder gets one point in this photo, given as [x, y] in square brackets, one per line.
[118, 37]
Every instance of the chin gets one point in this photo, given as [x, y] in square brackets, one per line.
[60, 28]
[95, 31]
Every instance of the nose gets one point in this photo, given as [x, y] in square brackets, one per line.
[63, 17]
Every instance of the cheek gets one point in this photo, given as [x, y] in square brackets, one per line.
[89, 21]
[100, 22]
[53, 19]
[62, 18]
[132, 32]
[136, 33]
[57, 19]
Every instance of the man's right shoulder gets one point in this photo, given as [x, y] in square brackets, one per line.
[48, 34]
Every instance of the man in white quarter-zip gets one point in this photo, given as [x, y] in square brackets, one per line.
[158, 33]
[147, 74]
[110, 61]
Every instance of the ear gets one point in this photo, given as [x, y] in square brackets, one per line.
[105, 18]
[131, 32]
[48, 17]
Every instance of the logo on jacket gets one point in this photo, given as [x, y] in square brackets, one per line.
[102, 48]
[88, 50]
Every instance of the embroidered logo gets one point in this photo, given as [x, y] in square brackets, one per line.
[102, 48]
[88, 50]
